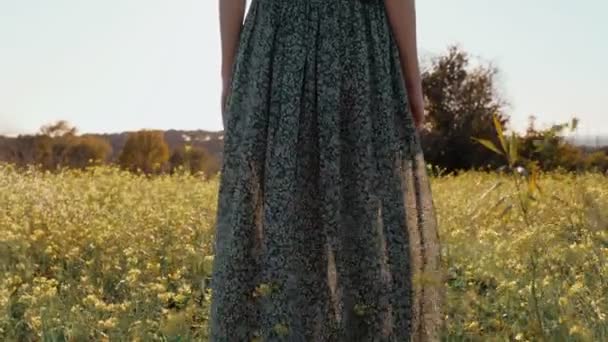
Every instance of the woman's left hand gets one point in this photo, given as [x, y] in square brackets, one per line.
[225, 94]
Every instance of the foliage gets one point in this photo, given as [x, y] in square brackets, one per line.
[194, 159]
[58, 129]
[525, 202]
[145, 151]
[87, 150]
[532, 275]
[597, 161]
[105, 254]
[58, 146]
[549, 147]
[460, 102]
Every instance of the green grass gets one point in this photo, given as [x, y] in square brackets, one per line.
[107, 255]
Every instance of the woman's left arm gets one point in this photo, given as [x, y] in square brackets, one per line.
[232, 13]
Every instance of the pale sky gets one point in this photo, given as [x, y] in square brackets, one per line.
[115, 65]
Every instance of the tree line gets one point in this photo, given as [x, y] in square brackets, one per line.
[462, 101]
[58, 146]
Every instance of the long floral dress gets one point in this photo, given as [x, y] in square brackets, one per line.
[326, 228]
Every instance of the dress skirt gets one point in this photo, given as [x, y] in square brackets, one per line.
[326, 228]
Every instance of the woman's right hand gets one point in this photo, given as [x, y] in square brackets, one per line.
[417, 108]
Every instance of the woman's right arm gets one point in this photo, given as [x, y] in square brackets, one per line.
[402, 19]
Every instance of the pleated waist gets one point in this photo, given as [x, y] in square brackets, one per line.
[360, 13]
[321, 3]
[340, 28]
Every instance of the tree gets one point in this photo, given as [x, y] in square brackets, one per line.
[194, 159]
[550, 148]
[145, 150]
[58, 129]
[51, 144]
[87, 150]
[460, 102]
[597, 161]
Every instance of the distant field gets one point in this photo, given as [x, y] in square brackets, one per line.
[107, 255]
[589, 140]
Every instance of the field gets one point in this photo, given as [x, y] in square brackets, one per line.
[108, 255]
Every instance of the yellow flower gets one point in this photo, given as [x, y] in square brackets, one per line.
[473, 326]
[35, 321]
[165, 296]
[37, 234]
[157, 287]
[179, 298]
[576, 287]
[133, 275]
[108, 323]
[153, 266]
[185, 289]
[575, 329]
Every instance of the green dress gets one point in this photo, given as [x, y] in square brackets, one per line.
[326, 229]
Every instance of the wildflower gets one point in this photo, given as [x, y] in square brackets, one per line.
[108, 323]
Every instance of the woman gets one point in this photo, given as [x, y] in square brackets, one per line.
[326, 229]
